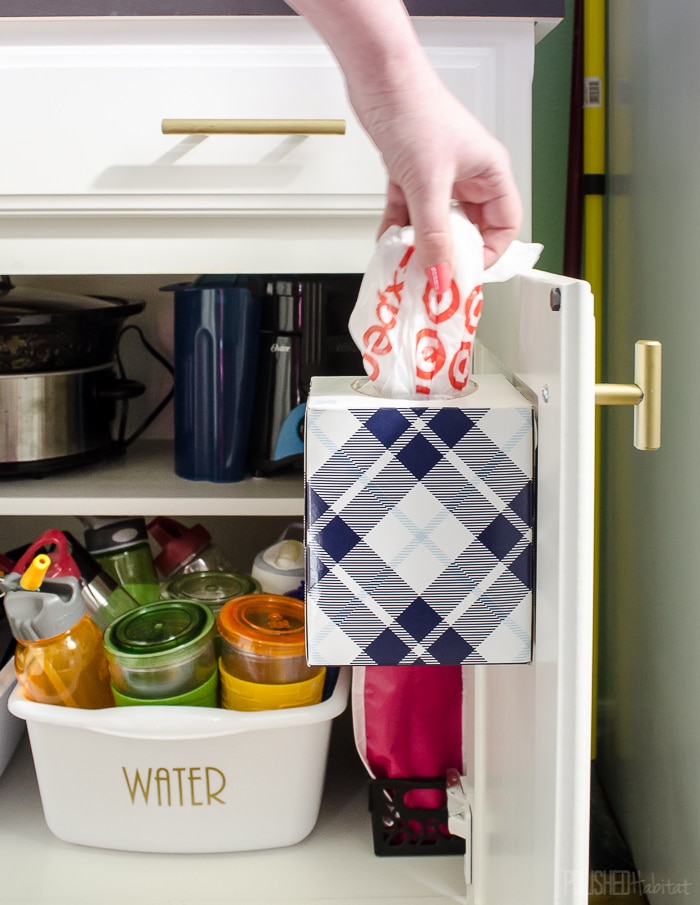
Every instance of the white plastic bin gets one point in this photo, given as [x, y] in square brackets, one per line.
[11, 728]
[181, 779]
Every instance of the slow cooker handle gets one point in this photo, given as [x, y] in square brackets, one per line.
[121, 389]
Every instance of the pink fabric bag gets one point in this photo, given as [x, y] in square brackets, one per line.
[408, 722]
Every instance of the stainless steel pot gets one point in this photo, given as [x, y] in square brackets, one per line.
[60, 418]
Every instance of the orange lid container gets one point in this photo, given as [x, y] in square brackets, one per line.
[263, 638]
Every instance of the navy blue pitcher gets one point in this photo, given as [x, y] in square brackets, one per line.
[217, 321]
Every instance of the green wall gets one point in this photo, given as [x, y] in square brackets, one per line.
[550, 141]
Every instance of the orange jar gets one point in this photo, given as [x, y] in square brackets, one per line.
[263, 661]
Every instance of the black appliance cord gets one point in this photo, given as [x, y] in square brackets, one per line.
[123, 440]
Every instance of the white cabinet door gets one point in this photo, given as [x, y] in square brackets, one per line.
[530, 765]
[530, 762]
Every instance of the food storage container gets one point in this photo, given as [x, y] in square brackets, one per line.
[161, 652]
[212, 588]
[263, 662]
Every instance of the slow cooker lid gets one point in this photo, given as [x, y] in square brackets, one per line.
[36, 307]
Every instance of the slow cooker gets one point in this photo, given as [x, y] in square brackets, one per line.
[60, 387]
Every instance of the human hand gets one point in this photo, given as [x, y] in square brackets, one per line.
[437, 152]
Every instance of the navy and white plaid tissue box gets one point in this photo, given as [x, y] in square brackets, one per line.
[419, 526]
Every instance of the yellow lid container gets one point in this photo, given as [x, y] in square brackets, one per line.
[239, 694]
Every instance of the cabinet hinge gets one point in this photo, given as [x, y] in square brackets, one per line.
[459, 814]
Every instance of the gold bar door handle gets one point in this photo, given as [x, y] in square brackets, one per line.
[253, 127]
[644, 394]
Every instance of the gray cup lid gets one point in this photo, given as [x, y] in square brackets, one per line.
[46, 613]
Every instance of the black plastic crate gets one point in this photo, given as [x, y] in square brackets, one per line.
[409, 817]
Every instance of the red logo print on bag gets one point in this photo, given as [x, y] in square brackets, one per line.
[441, 306]
[472, 309]
[376, 339]
[430, 357]
[387, 310]
[460, 366]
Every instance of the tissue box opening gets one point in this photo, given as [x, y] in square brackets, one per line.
[419, 526]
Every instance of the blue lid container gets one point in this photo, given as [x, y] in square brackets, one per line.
[217, 323]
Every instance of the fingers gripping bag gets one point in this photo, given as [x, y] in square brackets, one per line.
[414, 341]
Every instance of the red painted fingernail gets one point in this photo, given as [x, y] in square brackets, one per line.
[440, 277]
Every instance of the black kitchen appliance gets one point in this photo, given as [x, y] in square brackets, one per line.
[304, 333]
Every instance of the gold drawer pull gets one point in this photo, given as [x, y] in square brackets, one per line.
[644, 394]
[253, 127]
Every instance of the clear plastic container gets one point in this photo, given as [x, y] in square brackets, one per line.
[211, 588]
[162, 651]
[263, 654]
[237, 694]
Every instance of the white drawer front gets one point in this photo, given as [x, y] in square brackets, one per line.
[89, 118]
[90, 184]
[93, 125]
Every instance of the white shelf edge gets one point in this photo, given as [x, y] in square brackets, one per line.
[334, 864]
[143, 481]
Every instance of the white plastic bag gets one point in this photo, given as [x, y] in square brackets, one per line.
[414, 341]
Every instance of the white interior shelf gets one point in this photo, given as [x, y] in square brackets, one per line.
[144, 480]
[334, 864]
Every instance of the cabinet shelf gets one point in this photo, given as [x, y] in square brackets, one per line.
[144, 482]
[335, 864]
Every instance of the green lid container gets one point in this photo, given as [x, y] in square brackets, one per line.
[161, 650]
[211, 588]
[206, 695]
